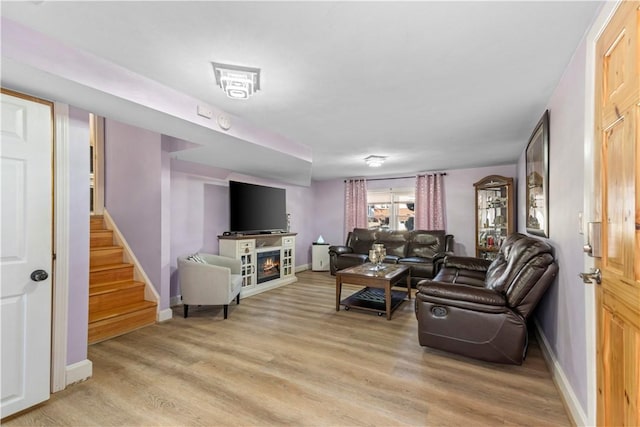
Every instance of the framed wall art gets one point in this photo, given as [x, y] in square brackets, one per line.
[537, 174]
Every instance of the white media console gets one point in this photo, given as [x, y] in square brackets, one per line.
[267, 260]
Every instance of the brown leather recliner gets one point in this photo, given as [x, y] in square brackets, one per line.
[479, 308]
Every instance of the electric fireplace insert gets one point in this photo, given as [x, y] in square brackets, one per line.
[268, 267]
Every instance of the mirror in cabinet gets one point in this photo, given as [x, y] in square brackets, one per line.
[495, 214]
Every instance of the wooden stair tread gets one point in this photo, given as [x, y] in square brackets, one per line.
[101, 231]
[119, 311]
[100, 238]
[105, 248]
[111, 327]
[109, 267]
[105, 255]
[96, 223]
[113, 286]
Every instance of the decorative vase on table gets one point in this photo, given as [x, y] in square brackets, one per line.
[373, 257]
[377, 255]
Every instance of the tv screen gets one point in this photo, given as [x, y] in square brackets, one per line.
[256, 208]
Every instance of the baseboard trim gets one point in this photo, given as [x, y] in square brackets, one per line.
[302, 267]
[77, 372]
[164, 315]
[577, 414]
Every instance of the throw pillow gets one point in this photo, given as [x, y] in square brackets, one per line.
[196, 258]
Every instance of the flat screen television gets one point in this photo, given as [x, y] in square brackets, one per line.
[256, 208]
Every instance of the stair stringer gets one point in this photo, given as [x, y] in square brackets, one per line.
[150, 293]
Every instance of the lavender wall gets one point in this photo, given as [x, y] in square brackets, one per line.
[199, 213]
[328, 208]
[300, 207]
[165, 230]
[561, 314]
[133, 194]
[78, 309]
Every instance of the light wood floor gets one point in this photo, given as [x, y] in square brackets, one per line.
[286, 357]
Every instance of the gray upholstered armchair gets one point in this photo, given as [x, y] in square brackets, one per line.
[207, 279]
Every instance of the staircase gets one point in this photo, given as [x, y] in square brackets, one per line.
[116, 300]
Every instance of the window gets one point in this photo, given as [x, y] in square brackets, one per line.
[391, 209]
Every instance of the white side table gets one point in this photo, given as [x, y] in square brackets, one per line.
[320, 257]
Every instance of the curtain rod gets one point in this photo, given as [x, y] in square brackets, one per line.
[399, 177]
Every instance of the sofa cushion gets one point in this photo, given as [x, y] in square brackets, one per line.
[397, 248]
[391, 259]
[426, 244]
[395, 242]
[361, 240]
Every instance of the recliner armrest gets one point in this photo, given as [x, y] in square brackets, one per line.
[438, 261]
[449, 243]
[467, 263]
[339, 250]
[467, 293]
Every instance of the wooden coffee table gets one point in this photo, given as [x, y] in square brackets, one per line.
[377, 295]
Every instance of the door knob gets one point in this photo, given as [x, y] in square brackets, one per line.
[595, 274]
[39, 275]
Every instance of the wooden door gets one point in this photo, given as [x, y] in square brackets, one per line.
[26, 242]
[617, 179]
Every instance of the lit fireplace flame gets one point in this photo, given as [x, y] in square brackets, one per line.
[269, 264]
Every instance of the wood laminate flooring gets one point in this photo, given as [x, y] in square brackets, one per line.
[287, 358]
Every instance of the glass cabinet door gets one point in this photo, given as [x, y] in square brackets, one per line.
[495, 215]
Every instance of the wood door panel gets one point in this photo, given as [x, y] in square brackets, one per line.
[613, 385]
[632, 376]
[617, 184]
[636, 135]
[619, 178]
[621, 299]
[620, 377]
[620, 80]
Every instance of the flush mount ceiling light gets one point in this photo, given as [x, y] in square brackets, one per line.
[374, 161]
[236, 81]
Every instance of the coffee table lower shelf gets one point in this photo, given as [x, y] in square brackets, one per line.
[372, 299]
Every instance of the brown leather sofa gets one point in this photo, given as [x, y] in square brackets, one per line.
[419, 249]
[478, 308]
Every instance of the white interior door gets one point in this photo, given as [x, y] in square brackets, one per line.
[25, 251]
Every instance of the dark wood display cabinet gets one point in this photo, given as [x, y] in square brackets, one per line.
[495, 214]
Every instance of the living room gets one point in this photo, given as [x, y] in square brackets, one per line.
[170, 206]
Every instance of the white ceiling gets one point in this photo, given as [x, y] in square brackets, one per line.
[431, 85]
